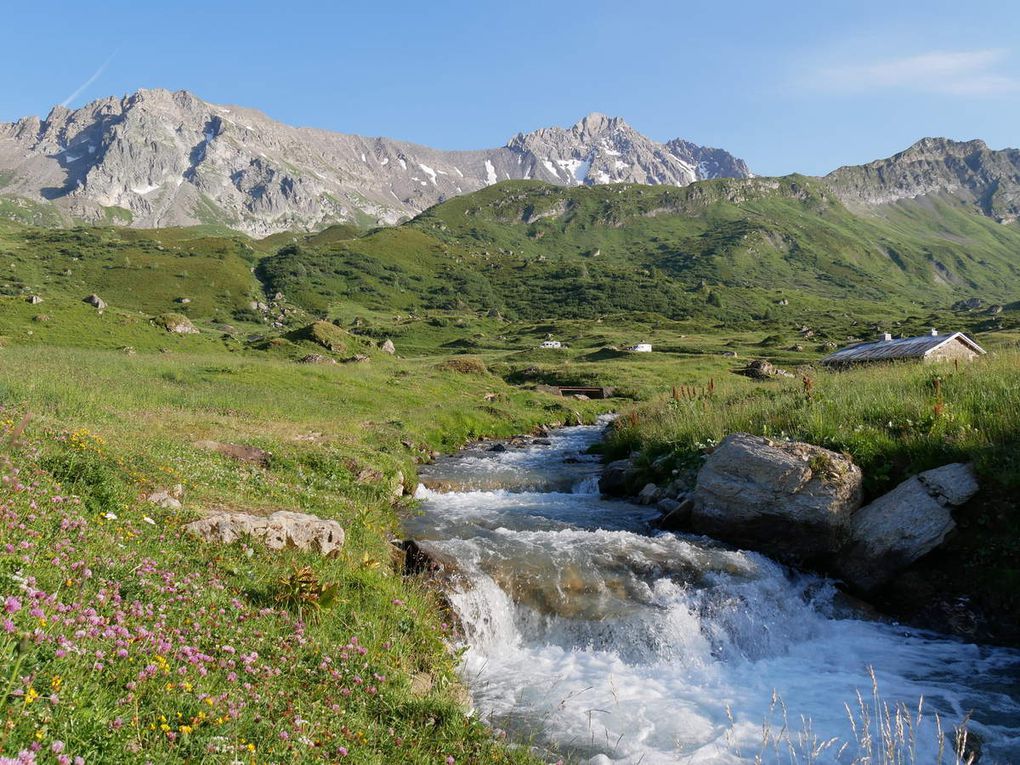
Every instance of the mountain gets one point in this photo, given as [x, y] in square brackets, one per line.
[158, 159]
[969, 171]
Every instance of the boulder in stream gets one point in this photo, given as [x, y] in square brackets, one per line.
[788, 499]
[618, 478]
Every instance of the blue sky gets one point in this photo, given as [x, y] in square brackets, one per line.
[793, 86]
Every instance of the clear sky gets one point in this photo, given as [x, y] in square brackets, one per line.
[794, 86]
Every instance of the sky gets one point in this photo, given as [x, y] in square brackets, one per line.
[788, 86]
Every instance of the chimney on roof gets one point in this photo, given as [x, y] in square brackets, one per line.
[934, 332]
[885, 337]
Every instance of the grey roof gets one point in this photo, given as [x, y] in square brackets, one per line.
[902, 348]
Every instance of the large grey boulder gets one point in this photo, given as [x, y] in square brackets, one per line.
[901, 526]
[788, 499]
[95, 301]
[278, 531]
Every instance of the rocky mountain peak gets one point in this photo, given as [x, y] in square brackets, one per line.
[966, 170]
[166, 158]
[596, 124]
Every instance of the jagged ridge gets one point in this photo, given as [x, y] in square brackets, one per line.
[156, 158]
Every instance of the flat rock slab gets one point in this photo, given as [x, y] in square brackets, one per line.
[280, 530]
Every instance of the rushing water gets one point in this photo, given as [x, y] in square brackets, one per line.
[592, 636]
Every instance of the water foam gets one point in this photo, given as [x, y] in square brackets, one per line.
[597, 638]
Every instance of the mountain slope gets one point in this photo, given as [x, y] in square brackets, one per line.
[156, 159]
[731, 250]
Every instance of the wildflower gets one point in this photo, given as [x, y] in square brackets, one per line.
[57, 747]
[31, 695]
[450, 760]
[12, 604]
[110, 516]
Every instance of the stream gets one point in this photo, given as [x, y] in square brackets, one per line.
[597, 639]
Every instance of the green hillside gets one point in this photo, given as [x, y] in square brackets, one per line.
[728, 250]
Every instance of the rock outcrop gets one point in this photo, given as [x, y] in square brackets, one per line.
[791, 500]
[278, 531]
[901, 526]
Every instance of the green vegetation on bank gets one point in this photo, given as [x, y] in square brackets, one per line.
[894, 421]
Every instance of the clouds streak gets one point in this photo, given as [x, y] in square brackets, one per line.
[95, 76]
[980, 73]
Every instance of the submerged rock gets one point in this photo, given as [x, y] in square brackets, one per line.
[278, 531]
[788, 499]
[901, 526]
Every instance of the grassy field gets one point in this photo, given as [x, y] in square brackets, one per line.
[125, 640]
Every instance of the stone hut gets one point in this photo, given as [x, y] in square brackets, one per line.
[930, 347]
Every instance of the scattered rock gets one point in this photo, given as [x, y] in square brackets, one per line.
[762, 369]
[970, 304]
[676, 514]
[617, 478]
[316, 358]
[176, 324]
[239, 452]
[167, 498]
[278, 531]
[901, 526]
[730, 354]
[95, 301]
[357, 358]
[649, 495]
[369, 475]
[421, 684]
[388, 347]
[33, 299]
[788, 499]
[183, 300]
[498, 448]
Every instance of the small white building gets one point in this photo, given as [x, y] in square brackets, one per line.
[551, 344]
[641, 348]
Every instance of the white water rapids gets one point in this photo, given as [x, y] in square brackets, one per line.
[598, 640]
